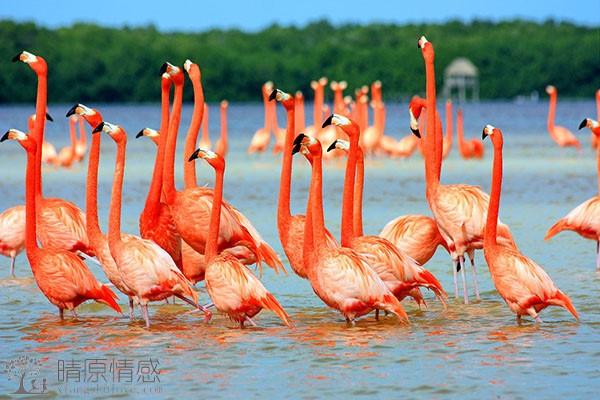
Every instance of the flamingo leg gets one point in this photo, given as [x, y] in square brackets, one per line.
[455, 272]
[461, 260]
[598, 255]
[87, 257]
[247, 318]
[131, 308]
[207, 313]
[376, 314]
[144, 310]
[475, 277]
[61, 313]
[12, 267]
[73, 313]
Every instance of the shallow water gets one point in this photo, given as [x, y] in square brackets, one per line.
[467, 351]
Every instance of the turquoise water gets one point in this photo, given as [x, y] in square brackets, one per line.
[469, 351]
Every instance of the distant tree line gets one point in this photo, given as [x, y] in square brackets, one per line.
[91, 63]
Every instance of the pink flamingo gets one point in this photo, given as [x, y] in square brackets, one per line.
[61, 223]
[561, 135]
[460, 210]
[66, 156]
[262, 137]
[447, 144]
[341, 277]
[585, 218]
[221, 146]
[48, 149]
[471, 148]
[592, 136]
[146, 269]
[81, 145]
[62, 276]
[12, 234]
[291, 227]
[523, 284]
[233, 288]
[205, 141]
[299, 115]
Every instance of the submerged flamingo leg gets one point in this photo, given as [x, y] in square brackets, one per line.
[598, 255]
[144, 310]
[12, 267]
[247, 318]
[131, 308]
[455, 272]
[61, 313]
[475, 278]
[207, 313]
[73, 313]
[461, 260]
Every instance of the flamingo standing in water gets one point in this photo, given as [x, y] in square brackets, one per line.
[447, 143]
[262, 137]
[66, 156]
[299, 112]
[561, 135]
[146, 269]
[592, 135]
[205, 141]
[585, 218]
[290, 227]
[81, 145]
[233, 288]
[48, 149]
[471, 148]
[61, 223]
[523, 284]
[399, 272]
[61, 275]
[12, 234]
[459, 210]
[340, 276]
[98, 240]
[191, 207]
[222, 145]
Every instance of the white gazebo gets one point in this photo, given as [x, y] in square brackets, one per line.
[461, 74]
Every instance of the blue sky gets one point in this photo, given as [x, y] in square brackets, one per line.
[200, 15]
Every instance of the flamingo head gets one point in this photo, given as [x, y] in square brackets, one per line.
[148, 132]
[37, 64]
[309, 146]
[174, 72]
[495, 135]
[339, 144]
[427, 49]
[550, 89]
[91, 115]
[27, 141]
[348, 125]
[192, 69]
[114, 131]
[215, 160]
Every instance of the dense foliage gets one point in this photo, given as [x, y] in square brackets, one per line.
[93, 63]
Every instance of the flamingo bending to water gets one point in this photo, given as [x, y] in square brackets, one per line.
[561, 135]
[262, 137]
[62, 276]
[523, 284]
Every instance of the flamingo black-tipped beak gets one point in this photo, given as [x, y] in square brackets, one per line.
[99, 127]
[49, 117]
[4, 137]
[16, 58]
[163, 68]
[328, 121]
[583, 124]
[332, 146]
[416, 132]
[71, 110]
[298, 140]
[194, 155]
[483, 134]
[139, 134]
[273, 95]
[296, 148]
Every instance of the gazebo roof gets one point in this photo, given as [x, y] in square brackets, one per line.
[461, 66]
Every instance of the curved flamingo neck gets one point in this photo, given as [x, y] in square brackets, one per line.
[82, 133]
[91, 192]
[347, 224]
[31, 244]
[73, 136]
[551, 112]
[491, 225]
[316, 204]
[169, 165]
[198, 118]
[223, 129]
[449, 121]
[212, 240]
[114, 216]
[459, 129]
[300, 118]
[41, 105]
[433, 136]
[358, 194]
[284, 213]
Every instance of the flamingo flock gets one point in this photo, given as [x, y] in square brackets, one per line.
[192, 235]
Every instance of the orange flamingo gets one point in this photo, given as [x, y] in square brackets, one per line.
[98, 240]
[12, 234]
[66, 156]
[81, 145]
[339, 106]
[191, 207]
[341, 277]
[277, 131]
[146, 269]
[523, 284]
[447, 144]
[48, 149]
[299, 116]
[62, 276]
[205, 141]
[585, 218]
[399, 272]
[561, 135]
[593, 137]
[318, 102]
[290, 227]
[222, 146]
[460, 210]
[471, 148]
[61, 223]
[262, 137]
[232, 287]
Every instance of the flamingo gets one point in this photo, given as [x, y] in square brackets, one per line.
[66, 156]
[522, 283]
[277, 131]
[593, 137]
[262, 137]
[48, 149]
[221, 146]
[471, 148]
[459, 210]
[98, 240]
[339, 106]
[400, 273]
[146, 269]
[585, 218]
[299, 116]
[232, 287]
[447, 143]
[340, 276]
[318, 101]
[81, 145]
[61, 275]
[12, 234]
[205, 141]
[290, 227]
[561, 135]
[191, 207]
[406, 146]
[61, 223]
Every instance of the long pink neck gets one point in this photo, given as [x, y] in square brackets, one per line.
[459, 128]
[91, 192]
[82, 133]
[267, 108]
[318, 107]
[347, 225]
[598, 165]
[31, 244]
[169, 166]
[284, 213]
[551, 112]
[114, 216]
[358, 194]
[73, 135]
[198, 117]
[212, 241]
[449, 122]
[41, 105]
[299, 120]
[491, 225]
[433, 136]
[316, 204]
[224, 128]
